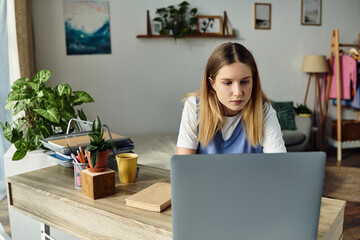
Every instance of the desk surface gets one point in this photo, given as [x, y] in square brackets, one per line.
[48, 195]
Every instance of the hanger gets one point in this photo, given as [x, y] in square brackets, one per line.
[355, 53]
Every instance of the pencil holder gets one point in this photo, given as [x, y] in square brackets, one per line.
[77, 173]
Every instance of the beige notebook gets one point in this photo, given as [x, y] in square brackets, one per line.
[83, 140]
[155, 198]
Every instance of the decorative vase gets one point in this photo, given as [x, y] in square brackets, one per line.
[101, 163]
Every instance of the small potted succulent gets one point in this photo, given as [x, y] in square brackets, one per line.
[97, 152]
[302, 110]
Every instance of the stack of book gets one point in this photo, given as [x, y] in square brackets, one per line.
[65, 144]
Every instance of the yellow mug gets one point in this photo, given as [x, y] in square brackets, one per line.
[127, 164]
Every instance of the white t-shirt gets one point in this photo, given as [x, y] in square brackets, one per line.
[272, 141]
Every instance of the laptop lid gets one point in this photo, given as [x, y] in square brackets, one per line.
[247, 196]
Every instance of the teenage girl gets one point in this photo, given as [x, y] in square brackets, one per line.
[230, 113]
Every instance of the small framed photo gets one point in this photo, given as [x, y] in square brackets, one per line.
[156, 27]
[311, 12]
[262, 16]
[210, 24]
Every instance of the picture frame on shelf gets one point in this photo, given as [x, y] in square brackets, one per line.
[156, 27]
[210, 25]
[262, 16]
[311, 12]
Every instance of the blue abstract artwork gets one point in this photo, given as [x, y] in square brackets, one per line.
[87, 27]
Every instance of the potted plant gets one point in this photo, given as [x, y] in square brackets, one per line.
[40, 111]
[177, 20]
[97, 152]
[302, 110]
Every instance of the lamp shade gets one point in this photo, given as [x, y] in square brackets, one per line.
[314, 64]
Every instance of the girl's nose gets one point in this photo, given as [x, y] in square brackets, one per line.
[237, 91]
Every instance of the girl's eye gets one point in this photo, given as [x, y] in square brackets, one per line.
[227, 83]
[244, 82]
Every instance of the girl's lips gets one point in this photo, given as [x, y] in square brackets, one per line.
[237, 101]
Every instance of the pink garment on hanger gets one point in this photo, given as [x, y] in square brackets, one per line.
[348, 75]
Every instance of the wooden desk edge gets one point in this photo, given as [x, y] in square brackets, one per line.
[334, 231]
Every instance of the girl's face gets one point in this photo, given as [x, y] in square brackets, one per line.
[233, 87]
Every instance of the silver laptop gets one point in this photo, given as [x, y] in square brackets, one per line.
[247, 196]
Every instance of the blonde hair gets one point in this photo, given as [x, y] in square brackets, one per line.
[211, 116]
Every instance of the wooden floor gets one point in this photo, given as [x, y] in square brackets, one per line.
[351, 158]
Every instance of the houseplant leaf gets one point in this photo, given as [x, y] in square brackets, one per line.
[18, 84]
[63, 89]
[93, 157]
[51, 114]
[42, 76]
[22, 148]
[81, 114]
[43, 110]
[82, 97]
[17, 95]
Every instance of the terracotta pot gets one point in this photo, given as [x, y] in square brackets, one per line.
[101, 163]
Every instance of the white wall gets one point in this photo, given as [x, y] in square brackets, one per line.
[138, 88]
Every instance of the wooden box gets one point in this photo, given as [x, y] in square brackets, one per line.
[98, 185]
[350, 130]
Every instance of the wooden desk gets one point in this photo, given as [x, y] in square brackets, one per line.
[48, 196]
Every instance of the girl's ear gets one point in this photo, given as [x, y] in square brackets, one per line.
[211, 82]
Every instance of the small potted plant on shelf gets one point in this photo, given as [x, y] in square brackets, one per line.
[97, 152]
[177, 20]
[40, 111]
[302, 110]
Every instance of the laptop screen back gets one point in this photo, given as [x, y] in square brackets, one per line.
[247, 196]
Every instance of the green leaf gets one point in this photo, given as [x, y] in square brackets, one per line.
[34, 86]
[16, 136]
[10, 105]
[64, 103]
[7, 131]
[63, 89]
[82, 97]
[19, 154]
[51, 114]
[93, 157]
[46, 131]
[42, 76]
[16, 96]
[81, 114]
[40, 94]
[34, 139]
[52, 99]
[68, 114]
[96, 127]
[20, 106]
[18, 84]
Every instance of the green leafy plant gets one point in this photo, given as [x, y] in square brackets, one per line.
[97, 141]
[42, 111]
[178, 20]
[302, 108]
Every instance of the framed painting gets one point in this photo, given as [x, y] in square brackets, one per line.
[87, 27]
[262, 16]
[209, 24]
[311, 12]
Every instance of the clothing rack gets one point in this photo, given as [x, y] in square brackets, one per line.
[335, 50]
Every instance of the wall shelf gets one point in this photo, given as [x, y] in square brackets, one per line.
[189, 36]
[225, 31]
